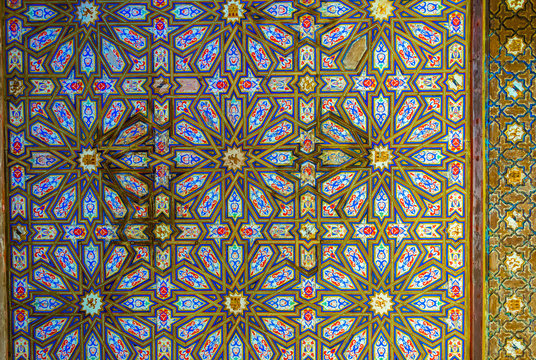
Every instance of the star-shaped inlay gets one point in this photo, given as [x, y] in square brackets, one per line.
[164, 319]
[106, 231]
[455, 230]
[16, 87]
[308, 287]
[234, 158]
[162, 231]
[163, 287]
[307, 140]
[217, 85]
[308, 174]
[104, 86]
[75, 232]
[381, 10]
[398, 230]
[307, 84]
[251, 231]
[250, 84]
[308, 320]
[236, 303]
[89, 160]
[160, 28]
[91, 304]
[218, 231]
[398, 82]
[306, 27]
[381, 157]
[73, 86]
[87, 13]
[161, 85]
[308, 230]
[233, 11]
[364, 82]
[381, 303]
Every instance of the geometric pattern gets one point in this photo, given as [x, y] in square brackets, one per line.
[238, 180]
[511, 142]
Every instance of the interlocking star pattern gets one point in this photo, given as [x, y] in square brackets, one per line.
[238, 179]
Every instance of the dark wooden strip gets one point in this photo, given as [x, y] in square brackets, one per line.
[477, 219]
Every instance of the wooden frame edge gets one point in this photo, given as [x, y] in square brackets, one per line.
[478, 179]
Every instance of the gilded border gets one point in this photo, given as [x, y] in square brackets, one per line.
[4, 244]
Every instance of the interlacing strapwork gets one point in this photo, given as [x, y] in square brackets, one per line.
[238, 180]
